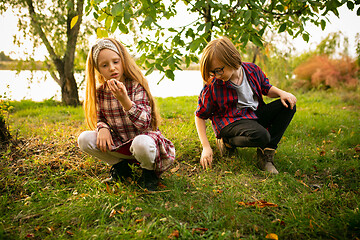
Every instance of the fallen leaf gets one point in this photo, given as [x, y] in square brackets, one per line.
[199, 230]
[272, 236]
[357, 148]
[108, 188]
[217, 191]
[123, 209]
[259, 203]
[322, 153]
[175, 169]
[174, 234]
[139, 220]
[112, 213]
[70, 233]
[282, 223]
[161, 186]
[30, 235]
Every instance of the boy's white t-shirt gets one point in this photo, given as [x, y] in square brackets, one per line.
[246, 96]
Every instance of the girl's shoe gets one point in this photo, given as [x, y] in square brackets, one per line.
[120, 171]
[149, 180]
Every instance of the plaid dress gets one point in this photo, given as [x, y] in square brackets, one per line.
[126, 125]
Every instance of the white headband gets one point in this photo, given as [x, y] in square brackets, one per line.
[100, 45]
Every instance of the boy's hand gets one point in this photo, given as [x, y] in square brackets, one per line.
[288, 99]
[104, 140]
[206, 158]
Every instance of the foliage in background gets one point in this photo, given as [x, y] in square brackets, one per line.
[55, 25]
[4, 57]
[165, 42]
[321, 71]
[329, 65]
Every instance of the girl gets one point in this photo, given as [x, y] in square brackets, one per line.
[233, 100]
[121, 112]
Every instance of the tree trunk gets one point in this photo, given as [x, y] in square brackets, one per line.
[69, 91]
[65, 65]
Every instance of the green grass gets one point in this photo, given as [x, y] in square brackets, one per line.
[51, 190]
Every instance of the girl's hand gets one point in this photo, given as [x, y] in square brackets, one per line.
[119, 90]
[206, 158]
[288, 98]
[104, 140]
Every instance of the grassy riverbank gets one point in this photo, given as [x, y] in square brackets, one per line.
[51, 190]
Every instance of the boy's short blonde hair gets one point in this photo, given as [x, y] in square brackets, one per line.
[221, 49]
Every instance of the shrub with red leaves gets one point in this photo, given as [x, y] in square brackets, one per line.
[323, 71]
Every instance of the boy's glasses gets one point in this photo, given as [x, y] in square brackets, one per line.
[217, 71]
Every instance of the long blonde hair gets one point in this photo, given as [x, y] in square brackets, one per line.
[94, 78]
[221, 49]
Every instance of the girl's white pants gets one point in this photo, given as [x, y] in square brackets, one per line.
[143, 149]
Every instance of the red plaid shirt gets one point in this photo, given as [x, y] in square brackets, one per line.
[126, 125]
[218, 100]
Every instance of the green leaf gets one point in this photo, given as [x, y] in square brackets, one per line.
[170, 60]
[114, 26]
[159, 67]
[74, 21]
[170, 74]
[323, 24]
[256, 40]
[149, 71]
[280, 7]
[102, 17]
[282, 27]
[108, 21]
[194, 45]
[117, 9]
[358, 12]
[306, 37]
[247, 15]
[245, 38]
[148, 20]
[127, 17]
[123, 28]
[350, 5]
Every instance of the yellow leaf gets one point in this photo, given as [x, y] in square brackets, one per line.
[74, 21]
[101, 33]
[272, 236]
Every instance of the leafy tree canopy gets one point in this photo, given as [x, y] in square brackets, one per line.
[165, 43]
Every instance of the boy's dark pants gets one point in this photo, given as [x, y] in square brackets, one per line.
[264, 132]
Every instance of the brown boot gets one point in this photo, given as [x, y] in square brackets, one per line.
[265, 160]
[224, 147]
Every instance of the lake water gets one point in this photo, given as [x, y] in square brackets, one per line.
[39, 85]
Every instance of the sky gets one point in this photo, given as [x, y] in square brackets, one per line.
[348, 24]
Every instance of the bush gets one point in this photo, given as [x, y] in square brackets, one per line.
[5, 135]
[322, 71]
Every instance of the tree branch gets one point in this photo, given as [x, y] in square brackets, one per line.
[42, 35]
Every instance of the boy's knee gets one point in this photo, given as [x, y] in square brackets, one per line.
[263, 138]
